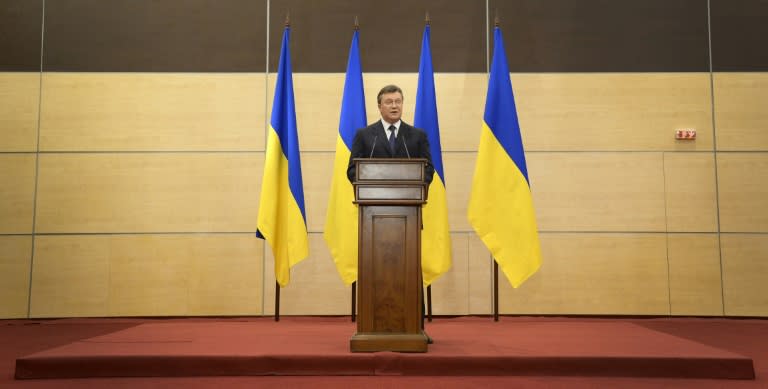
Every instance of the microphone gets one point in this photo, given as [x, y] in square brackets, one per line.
[406, 147]
[374, 145]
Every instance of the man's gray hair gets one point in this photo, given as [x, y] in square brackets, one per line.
[388, 89]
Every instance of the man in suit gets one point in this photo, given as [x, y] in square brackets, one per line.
[390, 137]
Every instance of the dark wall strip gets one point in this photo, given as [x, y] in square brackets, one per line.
[155, 36]
[20, 30]
[390, 34]
[739, 31]
[604, 35]
[230, 35]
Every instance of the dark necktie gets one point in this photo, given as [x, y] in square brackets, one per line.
[392, 138]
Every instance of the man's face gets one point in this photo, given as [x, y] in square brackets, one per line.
[391, 106]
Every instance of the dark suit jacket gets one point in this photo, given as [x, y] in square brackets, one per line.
[372, 142]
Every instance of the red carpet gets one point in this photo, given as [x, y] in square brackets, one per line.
[320, 346]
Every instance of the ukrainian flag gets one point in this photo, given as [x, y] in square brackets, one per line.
[435, 238]
[282, 219]
[500, 204]
[341, 219]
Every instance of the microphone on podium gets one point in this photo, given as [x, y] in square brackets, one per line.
[406, 147]
[374, 146]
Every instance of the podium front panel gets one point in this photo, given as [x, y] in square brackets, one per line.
[388, 236]
[391, 250]
[391, 192]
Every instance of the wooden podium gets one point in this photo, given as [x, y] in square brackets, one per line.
[390, 193]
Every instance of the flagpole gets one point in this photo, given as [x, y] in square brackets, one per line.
[495, 290]
[277, 301]
[354, 300]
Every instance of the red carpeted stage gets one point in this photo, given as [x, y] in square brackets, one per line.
[465, 346]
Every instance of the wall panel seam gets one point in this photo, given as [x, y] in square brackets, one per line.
[37, 161]
[714, 155]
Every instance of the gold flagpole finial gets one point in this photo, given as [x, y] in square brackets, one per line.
[288, 19]
[427, 20]
[496, 20]
[357, 25]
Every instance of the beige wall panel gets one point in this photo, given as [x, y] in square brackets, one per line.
[598, 191]
[317, 97]
[315, 287]
[624, 274]
[70, 277]
[188, 192]
[459, 170]
[613, 111]
[450, 292]
[19, 102]
[740, 113]
[15, 254]
[694, 275]
[318, 108]
[226, 273]
[745, 274]
[743, 188]
[460, 105]
[148, 282]
[317, 171]
[152, 111]
[480, 277]
[691, 198]
[557, 111]
[17, 193]
[147, 275]
[460, 109]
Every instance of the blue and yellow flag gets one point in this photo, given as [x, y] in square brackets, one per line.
[500, 204]
[340, 231]
[435, 237]
[282, 219]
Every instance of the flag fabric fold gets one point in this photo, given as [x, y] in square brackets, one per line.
[436, 238]
[501, 205]
[341, 220]
[282, 217]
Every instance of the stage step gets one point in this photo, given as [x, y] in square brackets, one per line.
[320, 346]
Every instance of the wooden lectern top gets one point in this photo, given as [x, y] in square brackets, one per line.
[390, 181]
[392, 169]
